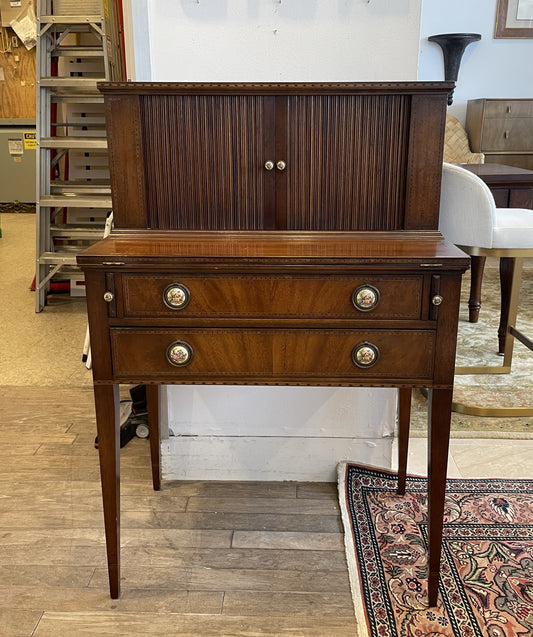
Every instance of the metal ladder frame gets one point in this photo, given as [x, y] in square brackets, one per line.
[52, 200]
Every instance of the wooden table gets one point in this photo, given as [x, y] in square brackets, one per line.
[273, 308]
[511, 187]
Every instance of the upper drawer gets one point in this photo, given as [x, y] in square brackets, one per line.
[272, 296]
[508, 108]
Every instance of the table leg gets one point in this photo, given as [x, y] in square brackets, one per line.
[152, 402]
[477, 265]
[439, 414]
[404, 417]
[506, 276]
[107, 404]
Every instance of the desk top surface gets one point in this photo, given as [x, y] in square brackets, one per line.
[180, 247]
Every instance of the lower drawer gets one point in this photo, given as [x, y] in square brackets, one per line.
[233, 355]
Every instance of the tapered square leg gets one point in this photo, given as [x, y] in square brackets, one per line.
[152, 401]
[404, 417]
[107, 403]
[439, 415]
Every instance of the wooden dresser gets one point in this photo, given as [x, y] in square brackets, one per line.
[274, 234]
[502, 129]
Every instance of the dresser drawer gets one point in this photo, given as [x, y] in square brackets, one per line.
[508, 108]
[513, 134]
[273, 296]
[299, 354]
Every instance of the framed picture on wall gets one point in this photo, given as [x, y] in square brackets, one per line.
[514, 19]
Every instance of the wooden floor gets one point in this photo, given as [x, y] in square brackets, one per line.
[199, 558]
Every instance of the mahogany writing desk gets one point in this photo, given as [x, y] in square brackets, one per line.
[274, 234]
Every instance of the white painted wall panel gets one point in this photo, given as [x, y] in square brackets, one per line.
[284, 40]
[267, 458]
[281, 411]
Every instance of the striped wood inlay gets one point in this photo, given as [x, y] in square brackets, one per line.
[216, 185]
[346, 165]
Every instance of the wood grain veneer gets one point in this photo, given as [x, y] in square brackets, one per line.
[272, 255]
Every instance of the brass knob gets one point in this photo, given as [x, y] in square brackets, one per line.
[281, 165]
[179, 353]
[269, 165]
[365, 298]
[365, 354]
[437, 299]
[108, 297]
[176, 296]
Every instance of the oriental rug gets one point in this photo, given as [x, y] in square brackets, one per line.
[486, 587]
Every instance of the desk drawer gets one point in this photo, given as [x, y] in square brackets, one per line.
[261, 354]
[272, 296]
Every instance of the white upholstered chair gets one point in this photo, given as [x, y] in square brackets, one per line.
[470, 219]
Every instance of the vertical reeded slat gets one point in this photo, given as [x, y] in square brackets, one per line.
[199, 185]
[347, 162]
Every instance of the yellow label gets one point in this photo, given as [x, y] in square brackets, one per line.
[106, 9]
[30, 141]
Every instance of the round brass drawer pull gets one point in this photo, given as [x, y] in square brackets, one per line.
[108, 297]
[365, 298]
[269, 164]
[365, 354]
[437, 299]
[176, 296]
[179, 353]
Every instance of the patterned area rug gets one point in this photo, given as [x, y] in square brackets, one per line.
[486, 587]
[478, 345]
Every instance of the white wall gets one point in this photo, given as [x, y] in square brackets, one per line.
[284, 40]
[489, 68]
[137, 40]
[276, 433]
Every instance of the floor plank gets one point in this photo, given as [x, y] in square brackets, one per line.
[90, 625]
[227, 579]
[198, 557]
[18, 622]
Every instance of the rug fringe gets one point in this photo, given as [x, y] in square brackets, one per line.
[349, 547]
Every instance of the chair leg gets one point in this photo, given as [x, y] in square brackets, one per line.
[477, 266]
[506, 277]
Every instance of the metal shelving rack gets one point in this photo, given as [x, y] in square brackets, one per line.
[78, 45]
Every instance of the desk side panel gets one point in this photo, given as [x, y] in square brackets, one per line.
[126, 161]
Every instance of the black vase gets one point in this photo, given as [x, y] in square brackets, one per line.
[453, 46]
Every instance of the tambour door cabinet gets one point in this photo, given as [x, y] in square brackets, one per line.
[274, 234]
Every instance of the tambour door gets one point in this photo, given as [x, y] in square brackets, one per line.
[346, 162]
[208, 154]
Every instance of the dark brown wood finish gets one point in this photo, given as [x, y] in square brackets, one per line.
[208, 144]
[125, 150]
[271, 261]
[152, 404]
[404, 416]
